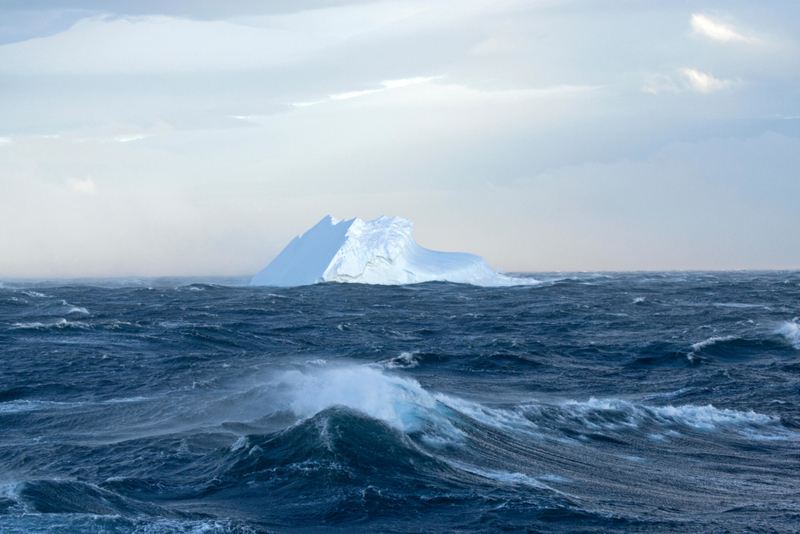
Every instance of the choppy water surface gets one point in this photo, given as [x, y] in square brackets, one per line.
[665, 402]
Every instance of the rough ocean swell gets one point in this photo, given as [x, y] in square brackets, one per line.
[645, 402]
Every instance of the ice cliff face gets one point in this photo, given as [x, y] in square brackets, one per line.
[382, 251]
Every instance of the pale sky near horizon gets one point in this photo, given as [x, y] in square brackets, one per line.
[150, 138]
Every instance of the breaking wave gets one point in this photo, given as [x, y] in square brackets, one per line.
[791, 331]
[404, 404]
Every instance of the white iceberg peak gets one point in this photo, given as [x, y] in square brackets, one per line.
[382, 251]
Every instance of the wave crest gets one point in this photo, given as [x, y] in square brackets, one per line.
[402, 403]
[791, 331]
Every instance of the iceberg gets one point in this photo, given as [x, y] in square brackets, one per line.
[382, 251]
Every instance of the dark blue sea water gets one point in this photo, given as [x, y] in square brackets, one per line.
[644, 402]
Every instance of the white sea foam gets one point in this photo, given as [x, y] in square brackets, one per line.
[406, 360]
[710, 418]
[667, 395]
[791, 331]
[592, 414]
[11, 491]
[174, 324]
[59, 323]
[601, 414]
[632, 458]
[511, 420]
[504, 476]
[638, 300]
[117, 324]
[29, 326]
[555, 478]
[711, 341]
[20, 406]
[32, 405]
[604, 415]
[125, 400]
[241, 443]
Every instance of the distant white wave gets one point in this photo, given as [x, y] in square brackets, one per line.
[405, 360]
[59, 323]
[74, 309]
[35, 294]
[711, 341]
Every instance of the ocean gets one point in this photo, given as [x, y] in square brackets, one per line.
[614, 402]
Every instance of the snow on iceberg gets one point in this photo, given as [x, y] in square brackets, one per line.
[382, 251]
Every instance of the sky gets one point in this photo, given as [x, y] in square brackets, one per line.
[197, 137]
